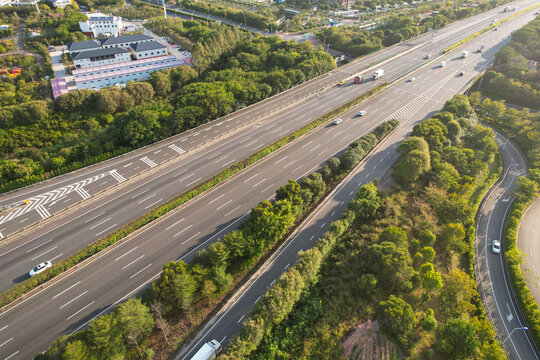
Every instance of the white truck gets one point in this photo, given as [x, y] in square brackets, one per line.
[377, 74]
[464, 54]
[208, 351]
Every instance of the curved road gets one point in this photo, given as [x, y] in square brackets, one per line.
[92, 289]
[178, 163]
[494, 284]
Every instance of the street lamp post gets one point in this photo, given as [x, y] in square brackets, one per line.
[511, 332]
[324, 42]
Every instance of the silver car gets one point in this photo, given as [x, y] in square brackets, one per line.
[496, 247]
[40, 268]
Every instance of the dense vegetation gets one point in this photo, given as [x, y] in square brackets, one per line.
[233, 69]
[183, 289]
[515, 76]
[396, 28]
[404, 258]
[57, 26]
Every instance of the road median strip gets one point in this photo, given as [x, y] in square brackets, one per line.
[40, 280]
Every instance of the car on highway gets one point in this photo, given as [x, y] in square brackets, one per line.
[442, 64]
[496, 29]
[427, 56]
[362, 112]
[40, 268]
[461, 73]
[341, 83]
[496, 247]
[337, 121]
[412, 78]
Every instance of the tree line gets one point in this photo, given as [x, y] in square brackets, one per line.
[396, 28]
[514, 77]
[41, 138]
[403, 257]
[182, 288]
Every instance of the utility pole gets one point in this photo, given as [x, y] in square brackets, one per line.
[164, 9]
[37, 7]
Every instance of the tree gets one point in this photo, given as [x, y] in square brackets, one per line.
[452, 239]
[433, 131]
[221, 279]
[184, 288]
[315, 183]
[428, 254]
[161, 323]
[135, 320]
[397, 319]
[161, 82]
[77, 350]
[455, 295]
[105, 337]
[458, 339]
[411, 166]
[218, 254]
[431, 279]
[427, 238]
[366, 202]
[394, 234]
[429, 323]
[526, 190]
[335, 165]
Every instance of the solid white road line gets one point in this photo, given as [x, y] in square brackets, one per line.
[131, 263]
[72, 300]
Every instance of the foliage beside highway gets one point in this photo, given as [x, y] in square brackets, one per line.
[402, 257]
[513, 79]
[40, 139]
[184, 291]
[357, 41]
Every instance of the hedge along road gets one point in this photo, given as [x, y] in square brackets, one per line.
[90, 290]
[63, 236]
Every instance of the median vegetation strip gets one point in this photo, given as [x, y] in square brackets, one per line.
[185, 293]
[10, 295]
[469, 38]
[400, 259]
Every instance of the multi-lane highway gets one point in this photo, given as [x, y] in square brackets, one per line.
[177, 164]
[70, 303]
[228, 321]
[495, 287]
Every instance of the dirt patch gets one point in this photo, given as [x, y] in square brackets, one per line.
[367, 343]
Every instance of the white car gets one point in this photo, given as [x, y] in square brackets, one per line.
[496, 247]
[442, 64]
[337, 121]
[40, 268]
[412, 78]
[427, 56]
[362, 113]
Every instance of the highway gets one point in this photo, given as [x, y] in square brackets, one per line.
[226, 323]
[494, 283]
[70, 303]
[115, 193]
[528, 242]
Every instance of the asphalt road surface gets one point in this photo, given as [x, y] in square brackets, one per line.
[529, 244]
[495, 285]
[115, 192]
[70, 303]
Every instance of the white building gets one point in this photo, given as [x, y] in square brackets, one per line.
[120, 74]
[125, 41]
[101, 24]
[61, 3]
[100, 57]
[148, 49]
[5, 2]
[24, 2]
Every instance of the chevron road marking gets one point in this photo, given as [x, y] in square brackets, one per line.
[84, 194]
[42, 212]
[117, 176]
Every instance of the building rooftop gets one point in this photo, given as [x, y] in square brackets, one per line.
[149, 45]
[119, 65]
[83, 45]
[151, 67]
[98, 52]
[103, 18]
[125, 39]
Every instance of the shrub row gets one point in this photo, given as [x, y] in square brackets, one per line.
[15, 292]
